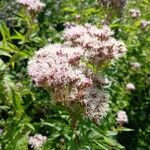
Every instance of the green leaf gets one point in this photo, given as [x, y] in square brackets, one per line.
[4, 107]
[22, 143]
[30, 126]
[101, 146]
[7, 49]
[112, 142]
[14, 47]
[112, 133]
[48, 124]
[125, 129]
[2, 65]
[2, 53]
[5, 32]
[18, 36]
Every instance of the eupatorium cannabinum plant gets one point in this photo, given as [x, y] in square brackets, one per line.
[64, 69]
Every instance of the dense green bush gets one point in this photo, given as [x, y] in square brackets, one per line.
[26, 110]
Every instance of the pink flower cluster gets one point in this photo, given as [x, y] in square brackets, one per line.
[99, 45]
[122, 117]
[63, 68]
[96, 103]
[32, 5]
[55, 65]
[37, 141]
[135, 13]
[144, 24]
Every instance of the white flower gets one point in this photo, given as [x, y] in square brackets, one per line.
[130, 86]
[37, 141]
[122, 117]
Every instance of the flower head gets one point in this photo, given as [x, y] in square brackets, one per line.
[122, 117]
[135, 65]
[130, 86]
[37, 141]
[63, 68]
[98, 44]
[135, 13]
[96, 104]
[55, 65]
[145, 24]
[32, 5]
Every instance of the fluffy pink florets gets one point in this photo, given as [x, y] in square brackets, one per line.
[99, 45]
[56, 65]
[34, 5]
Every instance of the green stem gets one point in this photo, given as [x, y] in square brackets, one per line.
[29, 22]
[73, 123]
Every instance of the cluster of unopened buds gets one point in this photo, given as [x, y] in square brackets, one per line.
[64, 68]
[32, 5]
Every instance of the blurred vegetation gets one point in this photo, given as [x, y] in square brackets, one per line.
[26, 110]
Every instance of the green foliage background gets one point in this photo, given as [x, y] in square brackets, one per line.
[26, 110]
